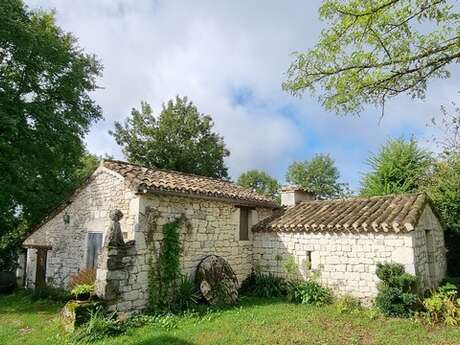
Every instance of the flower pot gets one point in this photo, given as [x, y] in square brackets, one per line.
[83, 296]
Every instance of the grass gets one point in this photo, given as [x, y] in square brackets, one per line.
[23, 321]
[256, 321]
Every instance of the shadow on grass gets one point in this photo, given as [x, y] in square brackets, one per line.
[164, 340]
[20, 302]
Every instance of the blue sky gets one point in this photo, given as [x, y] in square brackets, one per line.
[230, 59]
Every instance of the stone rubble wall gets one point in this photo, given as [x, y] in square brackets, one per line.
[429, 223]
[121, 279]
[89, 212]
[345, 262]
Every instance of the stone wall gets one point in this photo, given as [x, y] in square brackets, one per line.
[429, 251]
[88, 212]
[122, 278]
[212, 227]
[345, 262]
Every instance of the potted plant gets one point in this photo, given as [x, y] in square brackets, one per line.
[82, 292]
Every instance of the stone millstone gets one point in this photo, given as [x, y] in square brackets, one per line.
[217, 281]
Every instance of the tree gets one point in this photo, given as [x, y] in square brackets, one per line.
[443, 189]
[400, 167]
[180, 139]
[260, 182]
[372, 50]
[45, 110]
[318, 175]
[448, 126]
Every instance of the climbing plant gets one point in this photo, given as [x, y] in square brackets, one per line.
[167, 285]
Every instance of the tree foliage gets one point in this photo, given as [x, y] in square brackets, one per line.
[260, 182]
[45, 110]
[400, 167]
[180, 139]
[372, 50]
[444, 190]
[318, 175]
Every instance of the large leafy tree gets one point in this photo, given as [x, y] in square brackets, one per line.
[260, 182]
[372, 50]
[444, 190]
[180, 138]
[401, 166]
[45, 110]
[318, 175]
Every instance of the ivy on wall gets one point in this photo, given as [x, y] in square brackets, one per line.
[165, 269]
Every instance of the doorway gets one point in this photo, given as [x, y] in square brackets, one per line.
[40, 274]
[93, 247]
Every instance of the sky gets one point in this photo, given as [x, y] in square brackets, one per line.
[230, 58]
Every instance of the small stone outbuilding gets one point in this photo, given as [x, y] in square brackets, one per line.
[340, 242]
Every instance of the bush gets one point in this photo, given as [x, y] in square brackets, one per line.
[263, 285]
[85, 276]
[82, 290]
[98, 327]
[308, 292]
[50, 293]
[451, 280]
[443, 306]
[186, 295]
[348, 304]
[396, 296]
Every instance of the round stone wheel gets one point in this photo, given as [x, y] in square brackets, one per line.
[217, 281]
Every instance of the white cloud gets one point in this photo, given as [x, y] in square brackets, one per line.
[153, 50]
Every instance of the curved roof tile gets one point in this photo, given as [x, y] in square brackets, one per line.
[397, 213]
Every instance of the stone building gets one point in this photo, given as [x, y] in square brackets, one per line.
[340, 242]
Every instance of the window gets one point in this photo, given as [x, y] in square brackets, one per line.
[94, 245]
[308, 261]
[244, 223]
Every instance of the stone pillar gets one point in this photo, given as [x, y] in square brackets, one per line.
[114, 266]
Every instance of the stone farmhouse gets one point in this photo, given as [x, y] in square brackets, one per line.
[339, 242]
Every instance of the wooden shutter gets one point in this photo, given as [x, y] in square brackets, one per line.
[244, 224]
[94, 244]
[40, 274]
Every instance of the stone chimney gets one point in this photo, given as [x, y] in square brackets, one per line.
[292, 195]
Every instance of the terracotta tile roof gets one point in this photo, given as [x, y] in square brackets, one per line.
[396, 213]
[173, 182]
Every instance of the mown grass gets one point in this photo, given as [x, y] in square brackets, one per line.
[255, 321]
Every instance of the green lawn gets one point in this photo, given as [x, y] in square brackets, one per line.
[254, 322]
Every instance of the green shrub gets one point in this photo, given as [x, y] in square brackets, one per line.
[443, 306]
[186, 295]
[263, 285]
[50, 293]
[451, 280]
[291, 268]
[98, 327]
[82, 289]
[396, 296]
[348, 304]
[308, 292]
[248, 284]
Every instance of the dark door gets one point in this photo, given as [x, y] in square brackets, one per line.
[40, 276]
[94, 245]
